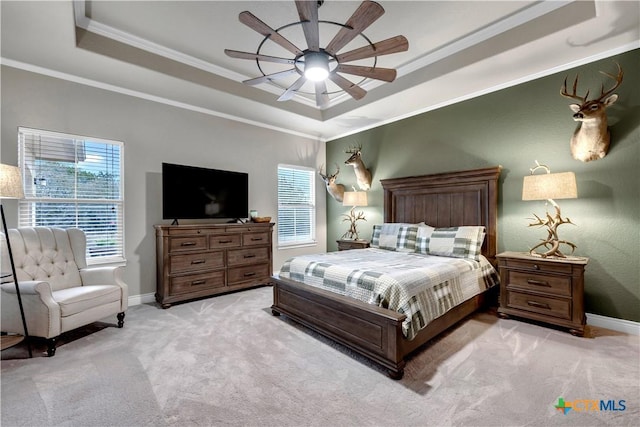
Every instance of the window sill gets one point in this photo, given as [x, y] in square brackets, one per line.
[297, 245]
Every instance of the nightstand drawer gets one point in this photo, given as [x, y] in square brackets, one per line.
[535, 265]
[552, 285]
[560, 308]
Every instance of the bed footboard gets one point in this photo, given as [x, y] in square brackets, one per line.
[372, 331]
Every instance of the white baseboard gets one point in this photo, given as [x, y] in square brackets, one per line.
[620, 325]
[142, 299]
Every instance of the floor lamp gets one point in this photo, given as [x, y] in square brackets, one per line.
[11, 188]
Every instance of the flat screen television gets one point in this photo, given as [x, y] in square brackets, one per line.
[190, 192]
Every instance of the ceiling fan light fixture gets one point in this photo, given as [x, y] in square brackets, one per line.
[316, 66]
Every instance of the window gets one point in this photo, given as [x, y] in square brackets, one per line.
[296, 205]
[74, 181]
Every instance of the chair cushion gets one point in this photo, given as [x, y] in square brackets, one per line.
[82, 298]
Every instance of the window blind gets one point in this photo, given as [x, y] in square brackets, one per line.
[296, 205]
[74, 181]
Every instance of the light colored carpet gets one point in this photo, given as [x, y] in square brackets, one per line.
[226, 361]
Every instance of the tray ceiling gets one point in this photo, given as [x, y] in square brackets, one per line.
[173, 52]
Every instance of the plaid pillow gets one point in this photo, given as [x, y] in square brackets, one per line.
[457, 242]
[394, 237]
[422, 238]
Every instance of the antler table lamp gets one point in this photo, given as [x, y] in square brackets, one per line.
[353, 199]
[549, 186]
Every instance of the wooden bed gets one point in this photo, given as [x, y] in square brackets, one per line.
[440, 200]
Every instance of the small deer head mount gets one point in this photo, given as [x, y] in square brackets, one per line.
[363, 175]
[336, 190]
[591, 139]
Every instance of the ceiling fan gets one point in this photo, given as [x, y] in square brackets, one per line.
[318, 64]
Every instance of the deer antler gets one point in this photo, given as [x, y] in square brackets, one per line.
[321, 173]
[618, 80]
[354, 150]
[573, 95]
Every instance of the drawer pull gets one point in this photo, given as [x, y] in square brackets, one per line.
[188, 244]
[198, 282]
[536, 267]
[538, 304]
[198, 261]
[225, 241]
[538, 282]
[249, 274]
[250, 256]
[256, 239]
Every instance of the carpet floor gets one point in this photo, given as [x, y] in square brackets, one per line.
[226, 361]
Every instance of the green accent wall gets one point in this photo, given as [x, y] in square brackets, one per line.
[513, 128]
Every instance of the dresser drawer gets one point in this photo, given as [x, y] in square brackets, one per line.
[560, 308]
[224, 241]
[248, 273]
[187, 231]
[194, 283]
[552, 285]
[190, 243]
[252, 239]
[193, 262]
[247, 256]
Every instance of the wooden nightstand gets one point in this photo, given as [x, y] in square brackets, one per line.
[549, 290]
[344, 245]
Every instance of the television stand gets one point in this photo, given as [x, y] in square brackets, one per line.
[202, 260]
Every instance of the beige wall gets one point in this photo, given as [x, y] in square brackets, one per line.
[154, 133]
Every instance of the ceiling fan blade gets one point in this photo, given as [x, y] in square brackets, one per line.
[291, 90]
[386, 74]
[251, 21]
[385, 47]
[351, 88]
[267, 58]
[268, 77]
[322, 98]
[308, 12]
[364, 16]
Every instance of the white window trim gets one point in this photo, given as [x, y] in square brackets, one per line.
[104, 260]
[314, 240]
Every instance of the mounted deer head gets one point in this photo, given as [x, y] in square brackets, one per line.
[336, 190]
[591, 139]
[363, 175]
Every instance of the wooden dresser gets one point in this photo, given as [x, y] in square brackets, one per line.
[195, 261]
[549, 290]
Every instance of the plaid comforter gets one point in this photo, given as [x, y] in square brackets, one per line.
[423, 287]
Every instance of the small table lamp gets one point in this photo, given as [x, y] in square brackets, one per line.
[353, 199]
[11, 188]
[549, 186]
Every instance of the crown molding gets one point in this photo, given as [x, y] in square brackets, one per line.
[142, 95]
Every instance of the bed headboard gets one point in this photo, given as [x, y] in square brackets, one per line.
[447, 200]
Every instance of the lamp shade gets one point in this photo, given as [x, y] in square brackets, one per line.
[10, 182]
[354, 198]
[550, 186]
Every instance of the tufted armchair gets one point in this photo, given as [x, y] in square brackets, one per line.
[59, 292]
